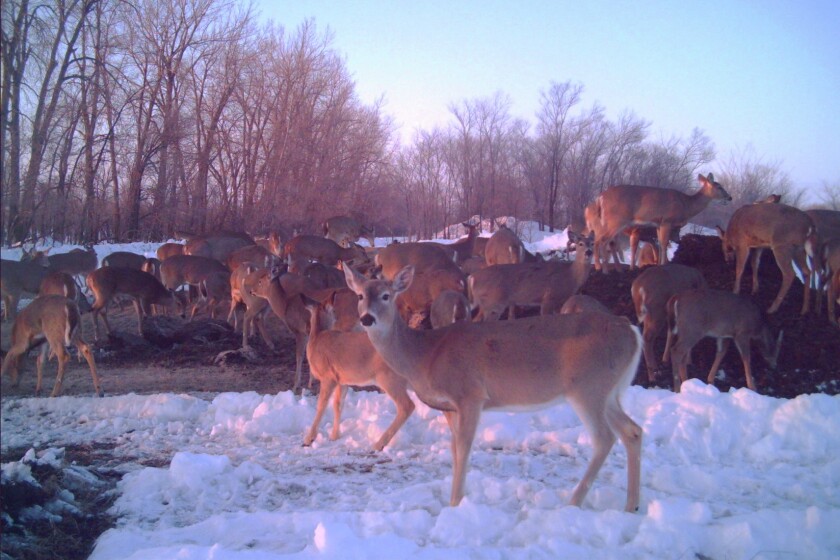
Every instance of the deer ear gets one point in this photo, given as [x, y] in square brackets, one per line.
[710, 177]
[355, 281]
[403, 279]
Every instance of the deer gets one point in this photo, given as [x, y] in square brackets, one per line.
[622, 206]
[427, 286]
[291, 310]
[831, 259]
[339, 359]
[242, 283]
[461, 250]
[789, 232]
[212, 289]
[422, 256]
[125, 259]
[505, 247]
[218, 246]
[169, 249]
[651, 291]
[587, 359]
[188, 269]
[62, 284]
[53, 319]
[75, 262]
[251, 253]
[450, 306]
[142, 287]
[302, 249]
[697, 313]
[827, 223]
[18, 278]
[544, 284]
[580, 303]
[346, 231]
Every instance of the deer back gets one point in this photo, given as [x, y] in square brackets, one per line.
[106, 282]
[125, 259]
[503, 247]
[422, 256]
[217, 247]
[77, 261]
[169, 250]
[652, 289]
[17, 277]
[188, 269]
[767, 225]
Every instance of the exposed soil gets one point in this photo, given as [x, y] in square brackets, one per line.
[130, 363]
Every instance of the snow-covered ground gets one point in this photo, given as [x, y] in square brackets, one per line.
[724, 475]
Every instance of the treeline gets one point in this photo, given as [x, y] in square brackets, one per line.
[126, 121]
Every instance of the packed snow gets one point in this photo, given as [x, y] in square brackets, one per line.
[724, 475]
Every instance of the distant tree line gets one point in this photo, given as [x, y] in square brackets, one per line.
[129, 121]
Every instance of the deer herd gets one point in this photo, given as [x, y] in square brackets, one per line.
[479, 324]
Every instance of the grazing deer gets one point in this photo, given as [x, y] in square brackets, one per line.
[622, 206]
[588, 359]
[346, 231]
[142, 287]
[63, 284]
[170, 249]
[581, 303]
[339, 359]
[695, 314]
[53, 319]
[461, 250]
[212, 290]
[651, 291]
[291, 310]
[544, 284]
[188, 269]
[252, 253]
[18, 278]
[450, 306]
[302, 249]
[505, 247]
[787, 231]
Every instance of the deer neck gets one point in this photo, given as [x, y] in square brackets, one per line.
[698, 201]
[407, 351]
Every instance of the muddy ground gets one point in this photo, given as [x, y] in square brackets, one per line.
[130, 363]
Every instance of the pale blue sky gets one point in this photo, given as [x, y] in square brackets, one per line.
[760, 73]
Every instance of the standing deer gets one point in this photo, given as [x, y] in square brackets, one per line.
[338, 359]
[125, 259]
[242, 283]
[651, 291]
[218, 246]
[588, 359]
[505, 247]
[18, 278]
[450, 306]
[212, 290]
[170, 249]
[142, 287]
[695, 314]
[53, 319]
[422, 256]
[302, 249]
[63, 284]
[627, 205]
[544, 284]
[346, 231]
[461, 250]
[787, 231]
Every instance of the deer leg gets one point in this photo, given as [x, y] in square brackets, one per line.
[801, 260]
[63, 358]
[741, 256]
[39, 366]
[396, 389]
[650, 331]
[784, 259]
[830, 299]
[603, 439]
[664, 233]
[722, 347]
[742, 343]
[630, 434]
[634, 247]
[756, 261]
[328, 385]
[681, 357]
[338, 404]
[84, 350]
[463, 425]
[138, 307]
[261, 327]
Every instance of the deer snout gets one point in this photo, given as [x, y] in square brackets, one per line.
[367, 320]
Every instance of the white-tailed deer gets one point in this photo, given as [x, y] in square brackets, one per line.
[218, 246]
[125, 259]
[291, 310]
[827, 223]
[695, 314]
[345, 231]
[18, 278]
[426, 287]
[546, 285]
[143, 288]
[212, 290]
[787, 231]
[303, 249]
[170, 249]
[55, 320]
[505, 247]
[587, 359]
[188, 269]
[75, 262]
[581, 303]
[252, 253]
[422, 256]
[651, 291]
[338, 359]
[622, 206]
[63, 284]
[461, 250]
[450, 306]
[243, 281]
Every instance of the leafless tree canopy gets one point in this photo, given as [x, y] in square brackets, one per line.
[131, 120]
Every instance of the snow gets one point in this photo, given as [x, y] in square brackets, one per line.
[724, 475]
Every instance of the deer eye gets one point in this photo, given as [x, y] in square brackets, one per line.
[386, 296]
[361, 297]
